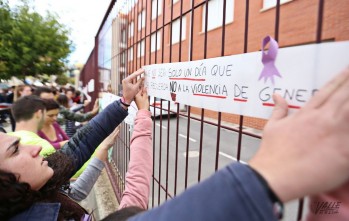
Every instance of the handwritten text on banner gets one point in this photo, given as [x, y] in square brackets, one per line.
[230, 84]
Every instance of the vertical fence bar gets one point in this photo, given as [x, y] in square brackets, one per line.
[160, 152]
[134, 62]
[319, 22]
[154, 136]
[170, 27]
[176, 157]
[277, 20]
[220, 113]
[201, 142]
[241, 118]
[160, 135]
[206, 25]
[168, 146]
[150, 33]
[168, 107]
[180, 33]
[138, 43]
[187, 151]
[145, 32]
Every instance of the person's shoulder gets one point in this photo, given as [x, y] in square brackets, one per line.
[23, 134]
[31, 138]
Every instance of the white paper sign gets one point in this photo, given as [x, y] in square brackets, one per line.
[231, 84]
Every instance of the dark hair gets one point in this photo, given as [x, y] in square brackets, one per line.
[63, 100]
[77, 93]
[123, 214]
[54, 90]
[51, 104]
[25, 107]
[20, 194]
[20, 89]
[17, 196]
[39, 90]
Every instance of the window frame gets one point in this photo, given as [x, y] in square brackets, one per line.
[153, 9]
[228, 20]
[158, 42]
[267, 7]
[140, 48]
[131, 27]
[184, 28]
[141, 18]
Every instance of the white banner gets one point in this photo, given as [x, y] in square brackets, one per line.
[233, 84]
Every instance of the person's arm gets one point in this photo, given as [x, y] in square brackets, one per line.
[307, 152]
[83, 185]
[141, 158]
[81, 146]
[71, 115]
[233, 193]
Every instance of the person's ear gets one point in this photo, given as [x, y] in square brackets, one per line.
[39, 113]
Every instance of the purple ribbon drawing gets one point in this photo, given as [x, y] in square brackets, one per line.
[268, 60]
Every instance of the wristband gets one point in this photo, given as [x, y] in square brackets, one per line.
[277, 204]
[122, 101]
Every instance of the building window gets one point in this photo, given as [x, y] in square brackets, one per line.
[123, 36]
[130, 54]
[140, 49]
[154, 3]
[131, 29]
[215, 14]
[141, 20]
[155, 37]
[175, 30]
[267, 4]
[123, 39]
[123, 56]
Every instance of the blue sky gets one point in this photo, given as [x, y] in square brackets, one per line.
[83, 17]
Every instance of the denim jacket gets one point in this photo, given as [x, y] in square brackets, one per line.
[80, 147]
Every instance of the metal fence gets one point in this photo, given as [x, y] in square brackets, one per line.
[192, 143]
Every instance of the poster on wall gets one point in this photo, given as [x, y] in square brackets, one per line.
[244, 84]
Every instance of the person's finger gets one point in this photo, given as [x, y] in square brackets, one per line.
[134, 75]
[339, 99]
[281, 108]
[139, 83]
[116, 131]
[328, 90]
[145, 92]
[138, 95]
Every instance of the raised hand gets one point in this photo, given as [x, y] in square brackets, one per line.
[131, 85]
[95, 107]
[108, 142]
[141, 100]
[307, 152]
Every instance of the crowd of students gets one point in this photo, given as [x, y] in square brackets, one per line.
[303, 154]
